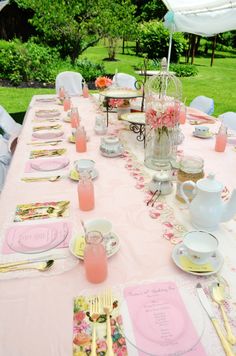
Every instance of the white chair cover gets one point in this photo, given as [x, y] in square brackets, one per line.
[71, 81]
[229, 119]
[203, 103]
[8, 124]
[5, 158]
[123, 80]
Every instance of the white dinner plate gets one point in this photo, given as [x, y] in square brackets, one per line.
[121, 93]
[47, 135]
[50, 164]
[134, 117]
[111, 243]
[215, 260]
[47, 113]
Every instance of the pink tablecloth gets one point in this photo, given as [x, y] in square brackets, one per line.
[36, 312]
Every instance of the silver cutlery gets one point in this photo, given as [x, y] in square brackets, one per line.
[154, 196]
[208, 308]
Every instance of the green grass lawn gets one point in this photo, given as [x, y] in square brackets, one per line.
[217, 82]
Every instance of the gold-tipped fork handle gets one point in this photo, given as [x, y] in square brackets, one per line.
[94, 313]
[107, 302]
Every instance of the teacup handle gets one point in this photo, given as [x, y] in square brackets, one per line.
[182, 193]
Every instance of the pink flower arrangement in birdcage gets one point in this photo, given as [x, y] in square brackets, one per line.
[163, 117]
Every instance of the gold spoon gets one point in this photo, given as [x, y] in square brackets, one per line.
[218, 296]
[40, 266]
[50, 179]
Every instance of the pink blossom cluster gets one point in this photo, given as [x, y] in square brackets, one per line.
[158, 119]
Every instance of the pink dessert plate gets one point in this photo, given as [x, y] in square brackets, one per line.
[47, 135]
[37, 239]
[50, 164]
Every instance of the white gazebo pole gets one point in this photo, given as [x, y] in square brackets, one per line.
[169, 51]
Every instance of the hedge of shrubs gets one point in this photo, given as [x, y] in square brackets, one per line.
[31, 62]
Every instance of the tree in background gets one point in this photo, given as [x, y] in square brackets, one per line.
[70, 25]
[117, 21]
[150, 9]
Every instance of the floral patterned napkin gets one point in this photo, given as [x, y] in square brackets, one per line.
[83, 325]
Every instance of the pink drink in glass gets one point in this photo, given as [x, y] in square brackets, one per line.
[61, 93]
[80, 140]
[182, 115]
[74, 118]
[85, 91]
[67, 103]
[95, 258]
[86, 192]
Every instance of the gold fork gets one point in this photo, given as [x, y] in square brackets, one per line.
[94, 307]
[107, 303]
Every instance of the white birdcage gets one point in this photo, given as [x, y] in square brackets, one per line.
[163, 94]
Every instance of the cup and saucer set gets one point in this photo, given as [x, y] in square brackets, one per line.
[198, 254]
[83, 165]
[202, 132]
[104, 226]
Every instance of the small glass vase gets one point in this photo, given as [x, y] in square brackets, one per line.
[160, 148]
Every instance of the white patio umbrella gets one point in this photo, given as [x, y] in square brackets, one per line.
[201, 17]
[3, 3]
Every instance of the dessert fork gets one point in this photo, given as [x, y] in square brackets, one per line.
[94, 308]
[107, 303]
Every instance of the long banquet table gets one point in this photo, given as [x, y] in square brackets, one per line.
[36, 308]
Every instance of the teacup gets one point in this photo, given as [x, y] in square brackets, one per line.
[84, 164]
[201, 131]
[102, 225]
[200, 245]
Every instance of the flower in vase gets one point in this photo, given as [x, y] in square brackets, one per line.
[103, 82]
[163, 118]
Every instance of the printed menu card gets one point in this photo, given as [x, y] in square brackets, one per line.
[160, 321]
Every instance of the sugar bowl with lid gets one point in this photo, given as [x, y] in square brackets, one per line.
[162, 180]
[111, 146]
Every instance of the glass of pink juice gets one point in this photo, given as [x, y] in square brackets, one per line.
[95, 257]
[67, 103]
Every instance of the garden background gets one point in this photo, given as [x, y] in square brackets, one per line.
[40, 38]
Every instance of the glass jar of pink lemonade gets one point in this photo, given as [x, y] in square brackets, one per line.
[95, 257]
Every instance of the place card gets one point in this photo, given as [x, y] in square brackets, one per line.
[160, 321]
[188, 265]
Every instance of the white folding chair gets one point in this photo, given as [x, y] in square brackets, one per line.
[123, 80]
[10, 127]
[71, 81]
[203, 103]
[229, 119]
[5, 158]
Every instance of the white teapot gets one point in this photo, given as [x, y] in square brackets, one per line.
[207, 209]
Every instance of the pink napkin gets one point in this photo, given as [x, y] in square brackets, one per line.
[62, 162]
[161, 323]
[195, 114]
[37, 237]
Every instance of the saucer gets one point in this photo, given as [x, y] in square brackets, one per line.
[208, 135]
[111, 243]
[74, 175]
[215, 260]
[114, 154]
